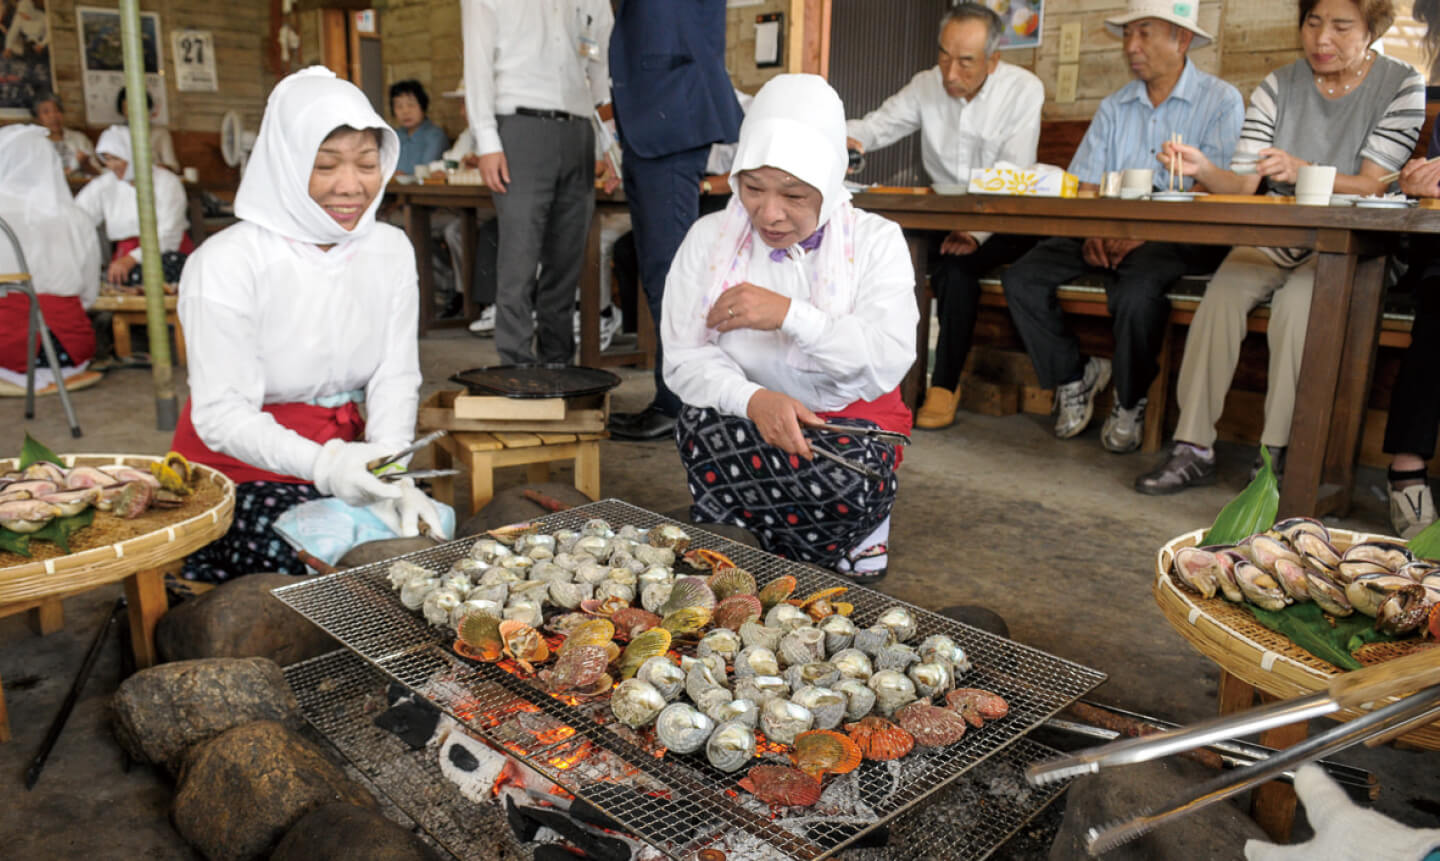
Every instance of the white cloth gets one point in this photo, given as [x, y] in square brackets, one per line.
[464, 145]
[526, 54]
[110, 201]
[56, 236]
[162, 148]
[850, 330]
[271, 318]
[301, 112]
[116, 140]
[722, 155]
[71, 145]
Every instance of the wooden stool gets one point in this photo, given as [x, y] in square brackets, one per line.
[481, 454]
[129, 311]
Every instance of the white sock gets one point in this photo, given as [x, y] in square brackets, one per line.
[1205, 453]
[860, 561]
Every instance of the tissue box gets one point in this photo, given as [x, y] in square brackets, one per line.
[1039, 181]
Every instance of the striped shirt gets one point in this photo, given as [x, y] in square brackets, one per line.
[1128, 131]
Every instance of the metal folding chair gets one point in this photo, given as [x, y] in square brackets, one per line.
[21, 282]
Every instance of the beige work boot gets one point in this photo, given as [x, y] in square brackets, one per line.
[938, 411]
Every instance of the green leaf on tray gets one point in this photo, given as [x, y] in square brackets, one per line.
[1251, 512]
[1426, 545]
[33, 451]
[58, 530]
[1308, 627]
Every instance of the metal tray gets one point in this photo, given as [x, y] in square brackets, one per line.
[537, 381]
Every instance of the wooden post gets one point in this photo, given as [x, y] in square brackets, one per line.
[4, 716]
[1272, 804]
[49, 617]
[145, 591]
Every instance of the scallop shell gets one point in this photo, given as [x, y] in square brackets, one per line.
[480, 637]
[688, 592]
[754, 634]
[931, 680]
[650, 644]
[522, 642]
[472, 606]
[664, 674]
[801, 646]
[826, 706]
[756, 661]
[731, 746]
[761, 689]
[823, 751]
[741, 710]
[879, 739]
[776, 591]
[853, 664]
[977, 706]
[703, 559]
[781, 720]
[787, 617]
[682, 729]
[726, 582]
[686, 620]
[872, 640]
[592, 632]
[654, 595]
[720, 641]
[636, 703]
[630, 622]
[736, 610]
[578, 668]
[859, 699]
[892, 691]
[931, 726]
[839, 633]
[781, 786]
[900, 620]
[822, 673]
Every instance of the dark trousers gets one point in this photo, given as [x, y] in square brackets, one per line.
[1135, 295]
[955, 278]
[1415, 401]
[544, 218]
[664, 196]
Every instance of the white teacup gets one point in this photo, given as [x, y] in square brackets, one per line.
[1137, 182]
[1314, 184]
[421, 172]
[191, 175]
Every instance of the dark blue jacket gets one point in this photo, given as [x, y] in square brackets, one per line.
[668, 79]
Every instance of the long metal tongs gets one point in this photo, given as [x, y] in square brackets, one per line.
[412, 448]
[879, 434]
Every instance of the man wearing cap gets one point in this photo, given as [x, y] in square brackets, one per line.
[1168, 96]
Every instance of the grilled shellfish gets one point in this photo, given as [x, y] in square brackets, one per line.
[682, 729]
[823, 751]
[636, 703]
[879, 739]
[782, 720]
[664, 674]
[931, 726]
[781, 786]
[731, 746]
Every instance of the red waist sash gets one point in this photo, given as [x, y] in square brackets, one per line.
[888, 411]
[320, 424]
[125, 246]
[63, 314]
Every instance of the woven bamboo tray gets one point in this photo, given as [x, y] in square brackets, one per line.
[1230, 636]
[112, 548]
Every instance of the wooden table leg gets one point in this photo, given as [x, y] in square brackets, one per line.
[145, 592]
[590, 295]
[468, 238]
[1271, 804]
[912, 388]
[587, 469]
[417, 225]
[1159, 396]
[4, 716]
[120, 327]
[48, 618]
[1352, 390]
[482, 480]
[445, 485]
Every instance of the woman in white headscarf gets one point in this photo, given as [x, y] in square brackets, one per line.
[296, 315]
[788, 309]
[60, 251]
[110, 199]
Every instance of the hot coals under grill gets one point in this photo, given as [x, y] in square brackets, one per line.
[679, 804]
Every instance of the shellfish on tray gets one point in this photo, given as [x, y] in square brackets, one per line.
[781, 786]
[731, 746]
[682, 728]
[651, 644]
[931, 726]
[976, 705]
[480, 637]
[880, 739]
[523, 644]
[729, 581]
[579, 670]
[707, 560]
[636, 703]
[776, 591]
[822, 751]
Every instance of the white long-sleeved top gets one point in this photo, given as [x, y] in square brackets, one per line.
[526, 54]
[111, 201]
[271, 320]
[464, 145]
[861, 354]
[1002, 122]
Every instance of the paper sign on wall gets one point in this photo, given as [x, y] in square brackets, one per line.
[194, 52]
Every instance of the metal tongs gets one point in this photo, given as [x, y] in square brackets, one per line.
[413, 447]
[1352, 689]
[888, 437]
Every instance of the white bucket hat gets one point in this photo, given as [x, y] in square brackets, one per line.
[1182, 13]
[457, 93]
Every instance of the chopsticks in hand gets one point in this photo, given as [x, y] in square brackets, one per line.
[1175, 162]
[1394, 175]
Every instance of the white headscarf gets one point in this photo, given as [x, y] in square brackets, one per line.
[57, 239]
[302, 111]
[32, 180]
[116, 141]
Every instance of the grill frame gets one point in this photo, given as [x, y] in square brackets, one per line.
[360, 610]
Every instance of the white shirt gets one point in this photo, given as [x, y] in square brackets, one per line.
[111, 201]
[72, 143]
[859, 355]
[272, 320]
[526, 54]
[56, 237]
[464, 145]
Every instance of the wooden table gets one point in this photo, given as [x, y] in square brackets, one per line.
[419, 200]
[1344, 325]
[138, 561]
[129, 311]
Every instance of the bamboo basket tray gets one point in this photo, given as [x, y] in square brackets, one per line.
[112, 548]
[1230, 636]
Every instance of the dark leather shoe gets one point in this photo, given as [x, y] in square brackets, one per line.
[1183, 468]
[648, 424]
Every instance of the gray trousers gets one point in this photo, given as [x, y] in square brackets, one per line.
[544, 218]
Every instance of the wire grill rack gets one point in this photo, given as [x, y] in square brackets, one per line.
[679, 804]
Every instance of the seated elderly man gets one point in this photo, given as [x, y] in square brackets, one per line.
[1169, 95]
[972, 111]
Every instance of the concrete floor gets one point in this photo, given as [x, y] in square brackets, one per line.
[991, 511]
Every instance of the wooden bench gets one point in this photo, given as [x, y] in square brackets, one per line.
[480, 454]
[130, 311]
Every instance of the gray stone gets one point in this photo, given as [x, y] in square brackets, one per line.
[978, 617]
[386, 548]
[344, 832]
[508, 506]
[161, 712]
[240, 792]
[241, 619]
[1217, 831]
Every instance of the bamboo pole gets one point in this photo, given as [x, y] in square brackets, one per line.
[138, 110]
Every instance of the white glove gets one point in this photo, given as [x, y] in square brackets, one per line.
[404, 513]
[1343, 830]
[340, 472]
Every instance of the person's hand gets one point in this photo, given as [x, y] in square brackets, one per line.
[959, 243]
[1279, 165]
[404, 513]
[470, 160]
[851, 143]
[1192, 161]
[779, 418]
[1343, 829]
[609, 180]
[1094, 254]
[717, 183]
[340, 471]
[1420, 178]
[746, 306]
[1117, 249]
[119, 269]
[495, 171]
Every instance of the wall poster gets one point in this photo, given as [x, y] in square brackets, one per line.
[102, 64]
[194, 52]
[24, 55]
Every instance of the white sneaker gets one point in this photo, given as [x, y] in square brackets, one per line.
[610, 321]
[1075, 402]
[484, 325]
[1124, 429]
[1411, 509]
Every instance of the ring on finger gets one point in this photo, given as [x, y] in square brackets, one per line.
[732, 311]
